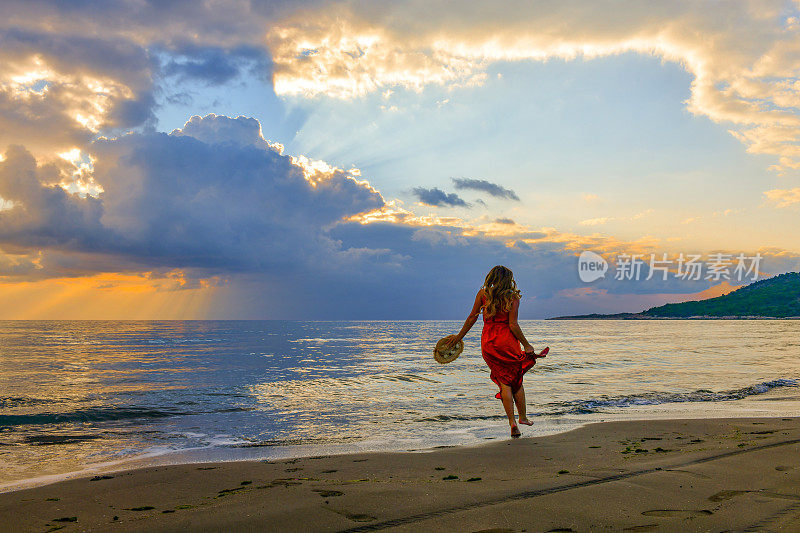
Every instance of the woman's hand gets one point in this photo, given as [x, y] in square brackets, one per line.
[528, 349]
[451, 341]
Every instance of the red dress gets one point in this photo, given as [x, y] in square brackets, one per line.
[502, 352]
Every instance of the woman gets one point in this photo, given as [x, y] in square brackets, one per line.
[501, 339]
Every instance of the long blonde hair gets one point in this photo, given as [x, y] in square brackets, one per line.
[501, 290]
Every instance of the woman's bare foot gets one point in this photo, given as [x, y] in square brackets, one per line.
[515, 433]
[525, 421]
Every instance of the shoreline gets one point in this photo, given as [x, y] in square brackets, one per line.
[685, 474]
[239, 454]
[545, 426]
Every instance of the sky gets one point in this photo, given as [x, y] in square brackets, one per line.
[373, 160]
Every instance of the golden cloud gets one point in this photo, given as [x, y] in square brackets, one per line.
[55, 108]
[783, 197]
[744, 56]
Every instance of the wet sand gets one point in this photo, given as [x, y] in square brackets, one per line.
[656, 475]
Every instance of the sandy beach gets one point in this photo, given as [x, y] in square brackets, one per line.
[665, 475]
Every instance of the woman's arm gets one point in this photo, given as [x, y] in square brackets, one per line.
[471, 319]
[515, 329]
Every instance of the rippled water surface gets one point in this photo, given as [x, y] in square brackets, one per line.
[76, 394]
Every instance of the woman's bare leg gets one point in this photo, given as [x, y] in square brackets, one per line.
[508, 404]
[519, 399]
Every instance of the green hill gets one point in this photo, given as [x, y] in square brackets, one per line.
[778, 297]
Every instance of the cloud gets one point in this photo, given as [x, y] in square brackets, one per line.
[187, 200]
[782, 198]
[74, 71]
[590, 198]
[743, 56]
[437, 197]
[596, 221]
[175, 24]
[485, 186]
[219, 129]
[504, 221]
[56, 92]
[43, 214]
[599, 221]
[68, 85]
[215, 65]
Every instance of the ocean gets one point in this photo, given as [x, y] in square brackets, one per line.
[91, 396]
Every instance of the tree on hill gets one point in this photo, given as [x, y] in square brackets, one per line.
[778, 296]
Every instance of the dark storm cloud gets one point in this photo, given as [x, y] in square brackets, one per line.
[437, 197]
[45, 215]
[173, 200]
[214, 199]
[488, 187]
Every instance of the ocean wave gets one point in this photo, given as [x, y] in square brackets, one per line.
[107, 414]
[9, 402]
[46, 440]
[461, 418]
[85, 415]
[657, 398]
[175, 340]
[320, 340]
[297, 441]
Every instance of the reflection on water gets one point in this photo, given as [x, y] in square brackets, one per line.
[84, 392]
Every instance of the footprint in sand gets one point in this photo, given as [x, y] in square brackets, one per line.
[355, 517]
[678, 513]
[725, 495]
[328, 493]
[695, 474]
[645, 527]
[284, 482]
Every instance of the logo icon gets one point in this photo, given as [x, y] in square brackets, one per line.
[591, 266]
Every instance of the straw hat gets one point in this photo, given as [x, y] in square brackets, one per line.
[445, 354]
